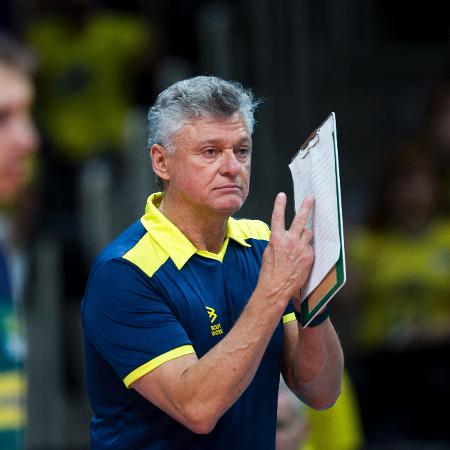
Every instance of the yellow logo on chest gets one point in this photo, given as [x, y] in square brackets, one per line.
[217, 328]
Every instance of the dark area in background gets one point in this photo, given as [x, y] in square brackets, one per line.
[373, 63]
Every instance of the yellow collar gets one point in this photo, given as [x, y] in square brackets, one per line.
[174, 242]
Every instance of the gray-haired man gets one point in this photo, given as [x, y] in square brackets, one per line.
[187, 314]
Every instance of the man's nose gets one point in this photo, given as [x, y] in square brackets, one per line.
[230, 165]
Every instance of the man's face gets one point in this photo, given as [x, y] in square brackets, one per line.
[18, 137]
[210, 168]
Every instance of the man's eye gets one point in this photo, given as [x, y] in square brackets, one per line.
[210, 152]
[243, 152]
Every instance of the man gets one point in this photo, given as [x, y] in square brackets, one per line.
[186, 317]
[17, 141]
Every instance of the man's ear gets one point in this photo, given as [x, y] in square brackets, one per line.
[159, 157]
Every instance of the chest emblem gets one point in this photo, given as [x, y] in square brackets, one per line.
[216, 329]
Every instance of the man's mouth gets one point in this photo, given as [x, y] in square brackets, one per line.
[228, 187]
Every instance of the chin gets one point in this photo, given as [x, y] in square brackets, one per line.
[228, 204]
[229, 207]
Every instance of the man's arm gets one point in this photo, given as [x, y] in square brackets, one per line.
[312, 356]
[197, 392]
[313, 363]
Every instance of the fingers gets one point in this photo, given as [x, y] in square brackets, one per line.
[301, 218]
[277, 224]
[298, 225]
[306, 236]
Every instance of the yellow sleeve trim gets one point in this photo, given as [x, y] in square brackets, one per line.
[156, 362]
[289, 317]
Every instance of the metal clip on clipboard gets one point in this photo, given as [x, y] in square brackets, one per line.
[311, 142]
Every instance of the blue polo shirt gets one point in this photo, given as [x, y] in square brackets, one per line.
[152, 297]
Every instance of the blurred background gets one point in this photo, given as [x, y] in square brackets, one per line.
[381, 66]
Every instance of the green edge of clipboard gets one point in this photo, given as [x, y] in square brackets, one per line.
[306, 314]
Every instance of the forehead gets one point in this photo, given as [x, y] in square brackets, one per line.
[209, 129]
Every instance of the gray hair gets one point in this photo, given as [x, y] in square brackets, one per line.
[196, 97]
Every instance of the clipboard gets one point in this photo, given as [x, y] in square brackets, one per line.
[315, 170]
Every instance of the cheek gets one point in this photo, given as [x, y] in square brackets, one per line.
[246, 176]
[191, 179]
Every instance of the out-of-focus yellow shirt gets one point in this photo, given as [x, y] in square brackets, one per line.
[405, 283]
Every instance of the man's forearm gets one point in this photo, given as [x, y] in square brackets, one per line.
[315, 364]
[218, 379]
[197, 392]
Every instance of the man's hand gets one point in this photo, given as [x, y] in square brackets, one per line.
[288, 258]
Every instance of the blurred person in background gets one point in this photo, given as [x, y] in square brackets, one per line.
[187, 316]
[339, 427]
[18, 141]
[292, 422]
[399, 271]
[90, 60]
[434, 135]
[300, 427]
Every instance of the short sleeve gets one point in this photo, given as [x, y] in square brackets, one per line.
[129, 323]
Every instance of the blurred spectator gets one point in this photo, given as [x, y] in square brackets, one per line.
[339, 427]
[406, 249]
[400, 275]
[434, 135]
[300, 427]
[18, 140]
[89, 64]
[90, 60]
[292, 426]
